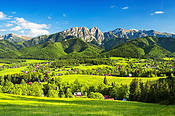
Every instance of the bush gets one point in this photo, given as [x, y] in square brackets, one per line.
[96, 95]
[1, 89]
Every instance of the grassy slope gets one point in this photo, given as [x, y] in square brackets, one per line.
[12, 105]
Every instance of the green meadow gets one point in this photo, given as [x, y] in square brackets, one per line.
[95, 80]
[13, 105]
[12, 71]
[18, 105]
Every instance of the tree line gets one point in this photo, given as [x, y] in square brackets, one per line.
[160, 91]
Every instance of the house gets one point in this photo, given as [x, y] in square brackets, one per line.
[109, 99]
[130, 75]
[77, 94]
[106, 97]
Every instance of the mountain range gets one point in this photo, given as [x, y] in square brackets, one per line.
[14, 37]
[84, 42]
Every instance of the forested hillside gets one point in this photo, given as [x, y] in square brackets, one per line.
[59, 45]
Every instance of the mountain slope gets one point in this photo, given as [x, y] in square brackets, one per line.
[14, 37]
[47, 50]
[9, 49]
[141, 47]
[77, 47]
[126, 50]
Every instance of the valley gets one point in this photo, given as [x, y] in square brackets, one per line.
[83, 66]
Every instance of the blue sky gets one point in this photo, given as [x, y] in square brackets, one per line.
[37, 17]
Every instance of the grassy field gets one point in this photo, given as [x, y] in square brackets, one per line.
[18, 70]
[13, 105]
[12, 71]
[35, 61]
[83, 67]
[94, 80]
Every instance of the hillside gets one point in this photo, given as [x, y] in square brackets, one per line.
[126, 50]
[47, 50]
[78, 48]
[141, 47]
[9, 49]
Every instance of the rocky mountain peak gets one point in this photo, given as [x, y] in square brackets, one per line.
[133, 33]
[14, 37]
[85, 34]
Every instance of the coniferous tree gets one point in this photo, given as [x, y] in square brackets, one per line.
[2, 81]
[105, 81]
[69, 93]
[135, 90]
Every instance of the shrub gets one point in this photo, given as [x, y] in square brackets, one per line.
[1, 89]
[96, 95]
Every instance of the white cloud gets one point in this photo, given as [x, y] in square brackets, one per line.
[17, 28]
[113, 6]
[33, 29]
[36, 32]
[64, 15]
[2, 30]
[23, 26]
[22, 31]
[3, 16]
[29, 25]
[49, 17]
[9, 25]
[125, 8]
[157, 12]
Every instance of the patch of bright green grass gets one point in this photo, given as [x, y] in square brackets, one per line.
[95, 80]
[35, 61]
[13, 105]
[1, 64]
[12, 71]
[91, 67]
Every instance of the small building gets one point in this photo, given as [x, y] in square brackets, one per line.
[77, 94]
[130, 75]
[106, 97]
[109, 99]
